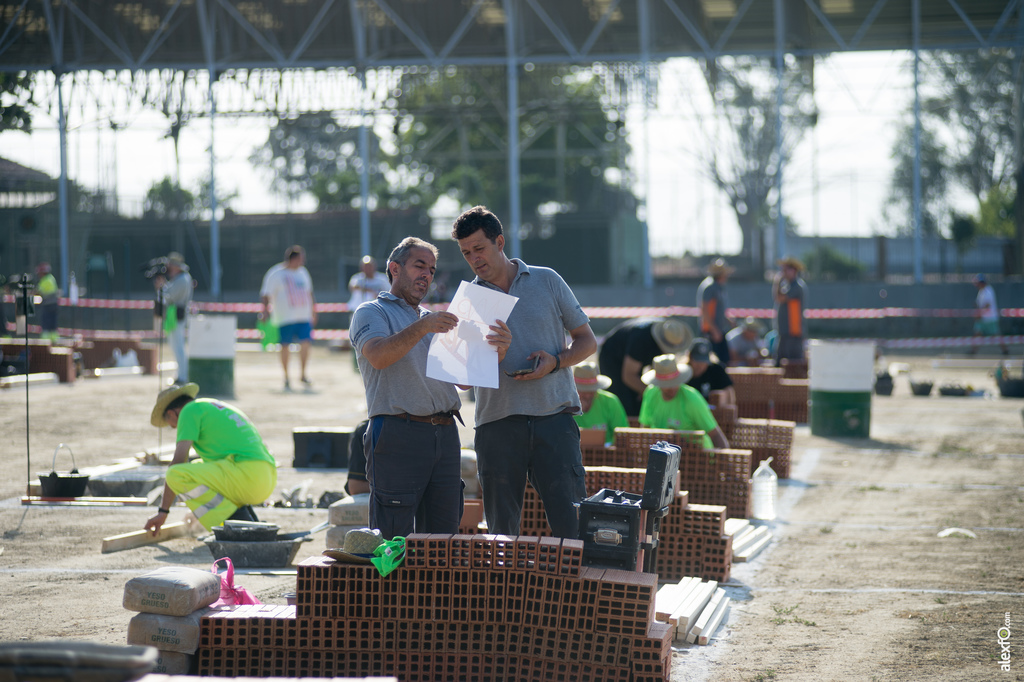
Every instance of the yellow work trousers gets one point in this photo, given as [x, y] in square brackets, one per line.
[214, 490]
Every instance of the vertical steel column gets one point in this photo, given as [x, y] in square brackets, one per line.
[916, 32]
[214, 224]
[62, 186]
[364, 142]
[780, 97]
[1018, 147]
[512, 85]
[643, 19]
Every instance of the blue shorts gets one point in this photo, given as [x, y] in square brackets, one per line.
[296, 333]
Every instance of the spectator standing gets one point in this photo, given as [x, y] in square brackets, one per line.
[234, 471]
[525, 427]
[713, 303]
[746, 347]
[630, 348]
[789, 292]
[174, 289]
[364, 286]
[987, 323]
[709, 376]
[49, 292]
[287, 295]
[670, 404]
[411, 445]
[601, 409]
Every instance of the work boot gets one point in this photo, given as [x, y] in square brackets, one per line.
[246, 513]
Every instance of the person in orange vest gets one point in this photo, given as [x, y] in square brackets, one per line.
[789, 292]
[712, 301]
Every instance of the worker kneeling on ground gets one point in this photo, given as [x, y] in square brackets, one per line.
[235, 469]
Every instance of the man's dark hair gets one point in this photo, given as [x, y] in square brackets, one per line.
[476, 218]
[400, 253]
[292, 252]
[180, 401]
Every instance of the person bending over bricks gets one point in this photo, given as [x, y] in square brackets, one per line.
[234, 470]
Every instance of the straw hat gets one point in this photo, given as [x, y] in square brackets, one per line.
[671, 335]
[177, 260]
[792, 262]
[588, 378]
[168, 396]
[667, 373]
[360, 544]
[720, 267]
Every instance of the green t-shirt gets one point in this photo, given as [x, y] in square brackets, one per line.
[218, 430]
[606, 413]
[687, 411]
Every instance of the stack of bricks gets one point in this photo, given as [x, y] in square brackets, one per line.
[765, 438]
[487, 607]
[692, 539]
[768, 393]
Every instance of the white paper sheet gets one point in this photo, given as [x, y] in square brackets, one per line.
[463, 356]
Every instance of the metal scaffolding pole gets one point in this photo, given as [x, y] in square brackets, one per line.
[512, 85]
[916, 23]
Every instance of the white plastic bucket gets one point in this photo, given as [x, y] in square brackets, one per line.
[841, 377]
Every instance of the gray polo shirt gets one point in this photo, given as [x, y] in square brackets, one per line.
[547, 309]
[404, 386]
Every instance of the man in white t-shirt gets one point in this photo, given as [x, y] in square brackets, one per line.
[287, 295]
[987, 323]
[364, 286]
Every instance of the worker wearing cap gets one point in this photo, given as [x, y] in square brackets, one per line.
[49, 292]
[790, 293]
[746, 347]
[235, 468]
[987, 323]
[712, 302]
[601, 409]
[364, 286]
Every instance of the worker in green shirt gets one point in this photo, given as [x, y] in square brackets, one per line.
[234, 469]
[601, 409]
[668, 403]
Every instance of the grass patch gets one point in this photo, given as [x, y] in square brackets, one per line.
[785, 615]
[766, 675]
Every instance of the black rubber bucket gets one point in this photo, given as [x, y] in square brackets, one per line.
[63, 483]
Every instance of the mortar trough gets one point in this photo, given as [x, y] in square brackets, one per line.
[272, 554]
[63, 483]
[246, 531]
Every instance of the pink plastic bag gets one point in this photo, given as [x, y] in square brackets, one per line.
[230, 593]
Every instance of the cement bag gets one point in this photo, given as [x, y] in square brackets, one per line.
[168, 633]
[173, 591]
[173, 663]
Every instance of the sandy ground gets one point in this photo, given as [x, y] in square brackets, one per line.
[856, 586]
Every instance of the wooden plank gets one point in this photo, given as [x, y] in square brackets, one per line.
[734, 527]
[85, 501]
[749, 539]
[665, 609]
[686, 615]
[714, 622]
[705, 616]
[752, 551]
[140, 538]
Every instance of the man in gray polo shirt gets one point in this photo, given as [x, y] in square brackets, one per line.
[413, 458]
[525, 427]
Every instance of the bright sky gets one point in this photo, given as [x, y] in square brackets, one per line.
[861, 98]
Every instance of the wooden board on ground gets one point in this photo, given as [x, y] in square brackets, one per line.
[140, 538]
[85, 501]
[750, 550]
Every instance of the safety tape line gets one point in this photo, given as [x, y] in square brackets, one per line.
[594, 312]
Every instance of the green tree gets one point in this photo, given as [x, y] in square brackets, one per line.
[827, 263]
[16, 101]
[898, 211]
[451, 132]
[996, 214]
[743, 160]
[168, 200]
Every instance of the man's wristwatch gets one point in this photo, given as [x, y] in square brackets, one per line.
[558, 364]
[163, 511]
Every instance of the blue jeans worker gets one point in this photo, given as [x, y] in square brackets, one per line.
[234, 470]
[525, 428]
[412, 448]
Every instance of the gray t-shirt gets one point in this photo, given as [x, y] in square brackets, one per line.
[404, 386]
[178, 290]
[545, 311]
[712, 293]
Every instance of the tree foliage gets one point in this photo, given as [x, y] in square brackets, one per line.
[899, 206]
[744, 163]
[16, 102]
[827, 263]
[168, 200]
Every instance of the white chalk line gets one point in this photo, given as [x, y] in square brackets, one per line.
[888, 590]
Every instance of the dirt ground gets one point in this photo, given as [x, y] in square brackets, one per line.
[856, 586]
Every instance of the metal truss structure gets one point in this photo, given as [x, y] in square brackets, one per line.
[249, 41]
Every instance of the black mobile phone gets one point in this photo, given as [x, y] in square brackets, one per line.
[521, 372]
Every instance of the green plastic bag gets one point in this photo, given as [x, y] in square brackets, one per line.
[388, 555]
[269, 333]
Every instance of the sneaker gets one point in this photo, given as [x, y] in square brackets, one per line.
[287, 387]
[306, 382]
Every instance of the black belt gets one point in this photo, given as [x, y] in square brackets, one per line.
[437, 419]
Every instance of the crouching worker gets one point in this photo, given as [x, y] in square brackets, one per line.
[235, 469]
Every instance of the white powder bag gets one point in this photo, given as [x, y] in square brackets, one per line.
[173, 590]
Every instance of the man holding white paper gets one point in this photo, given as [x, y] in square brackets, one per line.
[525, 428]
[413, 458]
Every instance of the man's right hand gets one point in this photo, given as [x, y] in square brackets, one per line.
[440, 322]
[156, 523]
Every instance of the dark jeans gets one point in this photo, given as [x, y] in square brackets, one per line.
[545, 450]
[415, 475]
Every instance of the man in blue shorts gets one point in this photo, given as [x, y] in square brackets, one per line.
[525, 428]
[287, 295]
